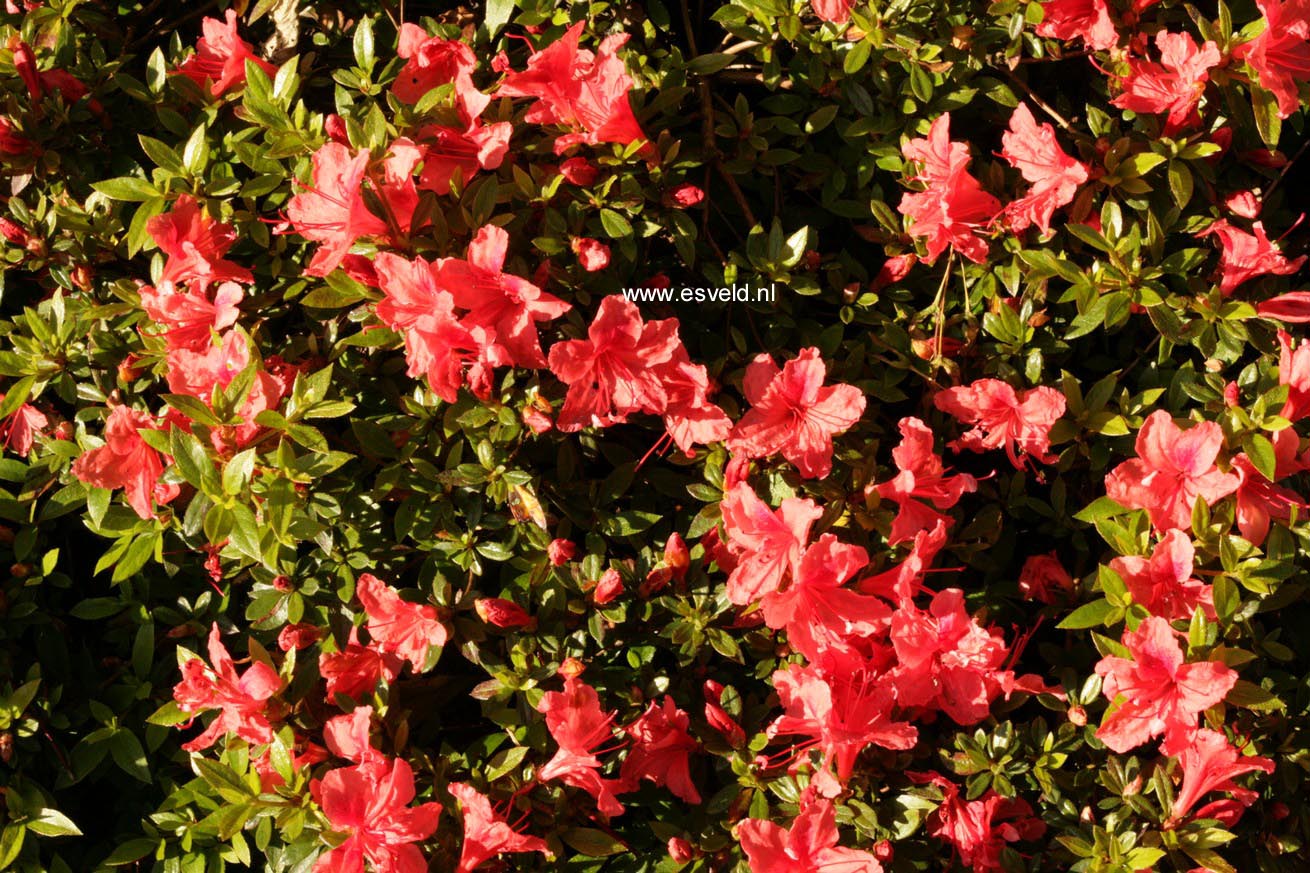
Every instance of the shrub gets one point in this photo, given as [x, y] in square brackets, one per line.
[356, 519]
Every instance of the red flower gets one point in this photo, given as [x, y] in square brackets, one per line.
[922, 477]
[1174, 85]
[793, 413]
[196, 373]
[407, 630]
[1210, 763]
[560, 552]
[11, 143]
[1280, 55]
[592, 254]
[979, 829]
[242, 700]
[608, 587]
[1088, 20]
[660, 750]
[810, 846]
[1294, 372]
[684, 196]
[574, 718]
[1044, 578]
[486, 833]
[189, 317]
[355, 670]
[1021, 422]
[1259, 500]
[431, 62]
[579, 171]
[689, 417]
[1244, 256]
[506, 306]
[1292, 307]
[1054, 176]
[300, 635]
[1163, 583]
[1160, 694]
[614, 372]
[126, 461]
[1173, 467]
[332, 211]
[820, 615]
[953, 204]
[347, 736]
[467, 150]
[371, 805]
[718, 717]
[498, 612]
[221, 56]
[19, 429]
[768, 543]
[194, 244]
[843, 709]
[574, 88]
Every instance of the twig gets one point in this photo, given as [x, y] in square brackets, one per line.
[1042, 104]
[1287, 166]
[940, 303]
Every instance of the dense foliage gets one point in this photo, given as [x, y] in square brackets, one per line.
[355, 520]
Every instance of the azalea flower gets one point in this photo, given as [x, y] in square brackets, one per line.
[486, 833]
[1002, 417]
[820, 614]
[1174, 85]
[502, 613]
[592, 254]
[922, 477]
[843, 709]
[332, 211]
[347, 736]
[506, 306]
[194, 244]
[615, 371]
[1280, 54]
[585, 92]
[660, 750]
[900, 583]
[979, 829]
[1163, 583]
[1294, 372]
[17, 432]
[1161, 695]
[1210, 763]
[430, 62]
[407, 630]
[575, 720]
[1172, 469]
[370, 804]
[689, 417]
[1259, 500]
[1053, 175]
[1245, 255]
[466, 150]
[12, 143]
[768, 543]
[953, 204]
[126, 461]
[356, 670]
[809, 846]
[1044, 578]
[242, 700]
[221, 55]
[189, 317]
[793, 413]
[718, 717]
[1088, 20]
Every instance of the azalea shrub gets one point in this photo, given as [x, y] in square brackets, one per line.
[760, 436]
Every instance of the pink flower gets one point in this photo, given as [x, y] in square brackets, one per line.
[356, 670]
[810, 846]
[1172, 469]
[1210, 763]
[464, 150]
[592, 254]
[768, 543]
[190, 319]
[792, 412]
[486, 833]
[1163, 583]
[1244, 256]
[560, 552]
[300, 635]
[1294, 372]
[922, 477]
[833, 11]
[1053, 175]
[1260, 501]
[953, 204]
[1280, 54]
[221, 56]
[979, 829]
[1174, 85]
[127, 461]
[608, 588]
[194, 244]
[579, 171]
[502, 613]
[574, 718]
[1002, 417]
[242, 700]
[684, 196]
[660, 750]
[17, 432]
[1044, 578]
[407, 630]
[1088, 20]
[430, 62]
[370, 803]
[1155, 693]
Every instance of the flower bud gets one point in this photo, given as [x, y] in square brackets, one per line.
[502, 613]
[676, 556]
[679, 850]
[608, 587]
[560, 552]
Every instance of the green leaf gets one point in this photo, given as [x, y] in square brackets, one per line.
[129, 755]
[127, 188]
[593, 842]
[1248, 695]
[708, 64]
[11, 843]
[1094, 614]
[615, 224]
[1261, 452]
[498, 15]
[53, 823]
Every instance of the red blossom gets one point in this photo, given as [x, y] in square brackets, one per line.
[18, 431]
[1210, 763]
[1172, 469]
[979, 829]
[953, 205]
[356, 670]
[576, 721]
[592, 254]
[370, 804]
[809, 846]
[242, 699]
[127, 461]
[1155, 693]
[1044, 578]
[502, 613]
[331, 211]
[221, 55]
[1260, 501]
[792, 412]
[1294, 372]
[1088, 20]
[1244, 256]
[408, 630]
[1002, 417]
[767, 543]
[486, 833]
[430, 62]
[1163, 583]
[579, 171]
[194, 244]
[921, 477]
[1280, 54]
[660, 750]
[1053, 175]
[1174, 85]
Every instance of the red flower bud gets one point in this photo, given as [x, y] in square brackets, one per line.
[679, 850]
[883, 851]
[502, 613]
[1077, 715]
[335, 128]
[609, 586]
[560, 552]
[299, 636]
[579, 171]
[592, 254]
[676, 556]
[684, 196]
